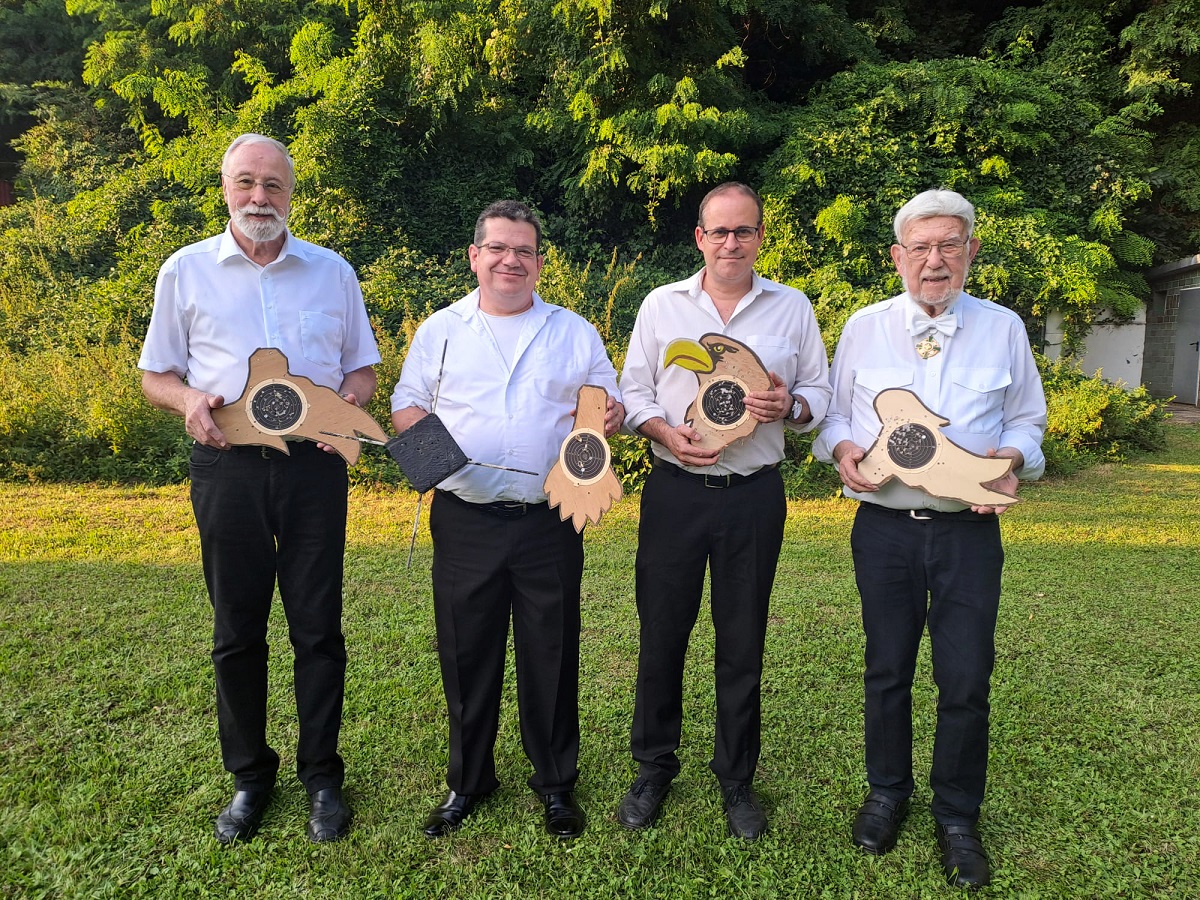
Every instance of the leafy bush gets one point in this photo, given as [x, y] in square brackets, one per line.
[1091, 420]
[79, 415]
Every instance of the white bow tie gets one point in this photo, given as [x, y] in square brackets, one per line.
[946, 323]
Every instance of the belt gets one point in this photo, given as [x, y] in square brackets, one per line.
[501, 509]
[712, 481]
[925, 515]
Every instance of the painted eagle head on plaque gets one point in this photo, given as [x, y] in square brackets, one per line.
[726, 371]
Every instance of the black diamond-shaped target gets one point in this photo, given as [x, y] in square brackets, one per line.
[723, 403]
[585, 455]
[911, 446]
[276, 406]
[426, 453]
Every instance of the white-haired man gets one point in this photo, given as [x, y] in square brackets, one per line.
[919, 560]
[265, 516]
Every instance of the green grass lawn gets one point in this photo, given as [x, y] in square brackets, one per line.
[111, 776]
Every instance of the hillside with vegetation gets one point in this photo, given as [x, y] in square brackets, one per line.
[1071, 124]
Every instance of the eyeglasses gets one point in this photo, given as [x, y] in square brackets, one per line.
[745, 234]
[948, 249]
[245, 184]
[495, 248]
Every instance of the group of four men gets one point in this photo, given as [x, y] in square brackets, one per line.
[506, 368]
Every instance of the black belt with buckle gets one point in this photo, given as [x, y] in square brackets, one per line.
[501, 509]
[712, 481]
[926, 515]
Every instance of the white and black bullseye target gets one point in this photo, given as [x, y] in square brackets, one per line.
[585, 456]
[723, 403]
[912, 446]
[276, 406]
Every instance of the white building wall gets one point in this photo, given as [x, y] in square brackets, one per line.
[1115, 350]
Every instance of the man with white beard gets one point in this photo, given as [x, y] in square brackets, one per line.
[263, 515]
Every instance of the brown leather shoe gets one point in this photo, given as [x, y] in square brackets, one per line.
[964, 861]
[241, 816]
[448, 815]
[878, 823]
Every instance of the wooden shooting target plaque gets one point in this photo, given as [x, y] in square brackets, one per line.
[726, 371]
[276, 404]
[582, 484]
[911, 448]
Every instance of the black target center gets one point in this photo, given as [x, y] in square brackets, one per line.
[584, 456]
[724, 402]
[911, 446]
[277, 407]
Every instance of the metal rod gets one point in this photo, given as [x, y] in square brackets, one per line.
[437, 390]
[355, 437]
[472, 462]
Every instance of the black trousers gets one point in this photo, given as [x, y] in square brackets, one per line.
[263, 517]
[736, 534]
[486, 569]
[944, 573]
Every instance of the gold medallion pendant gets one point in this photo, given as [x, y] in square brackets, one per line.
[928, 347]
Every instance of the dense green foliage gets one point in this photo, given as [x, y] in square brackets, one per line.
[1072, 124]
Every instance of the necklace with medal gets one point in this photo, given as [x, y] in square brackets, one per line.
[928, 346]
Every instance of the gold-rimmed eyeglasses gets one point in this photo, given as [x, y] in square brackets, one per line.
[948, 249]
[245, 184]
[496, 248]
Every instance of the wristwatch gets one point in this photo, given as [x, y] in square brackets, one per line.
[797, 409]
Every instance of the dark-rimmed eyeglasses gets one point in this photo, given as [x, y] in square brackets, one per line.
[744, 235]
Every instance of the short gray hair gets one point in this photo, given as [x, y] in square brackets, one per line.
[250, 137]
[936, 202]
[514, 211]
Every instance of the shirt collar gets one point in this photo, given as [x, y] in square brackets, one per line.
[468, 307]
[694, 286]
[229, 248]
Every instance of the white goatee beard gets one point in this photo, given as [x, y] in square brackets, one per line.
[258, 230]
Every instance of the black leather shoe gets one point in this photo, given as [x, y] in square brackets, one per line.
[640, 807]
[564, 818]
[743, 813]
[329, 816]
[240, 819]
[963, 860]
[877, 823]
[448, 815]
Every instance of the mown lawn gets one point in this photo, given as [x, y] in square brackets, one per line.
[111, 776]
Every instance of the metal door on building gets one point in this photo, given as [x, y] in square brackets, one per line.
[1185, 384]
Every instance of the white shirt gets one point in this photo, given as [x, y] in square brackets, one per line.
[516, 416]
[984, 381]
[214, 306]
[775, 321]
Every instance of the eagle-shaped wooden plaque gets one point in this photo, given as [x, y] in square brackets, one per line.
[912, 448]
[582, 484]
[275, 404]
[726, 371]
